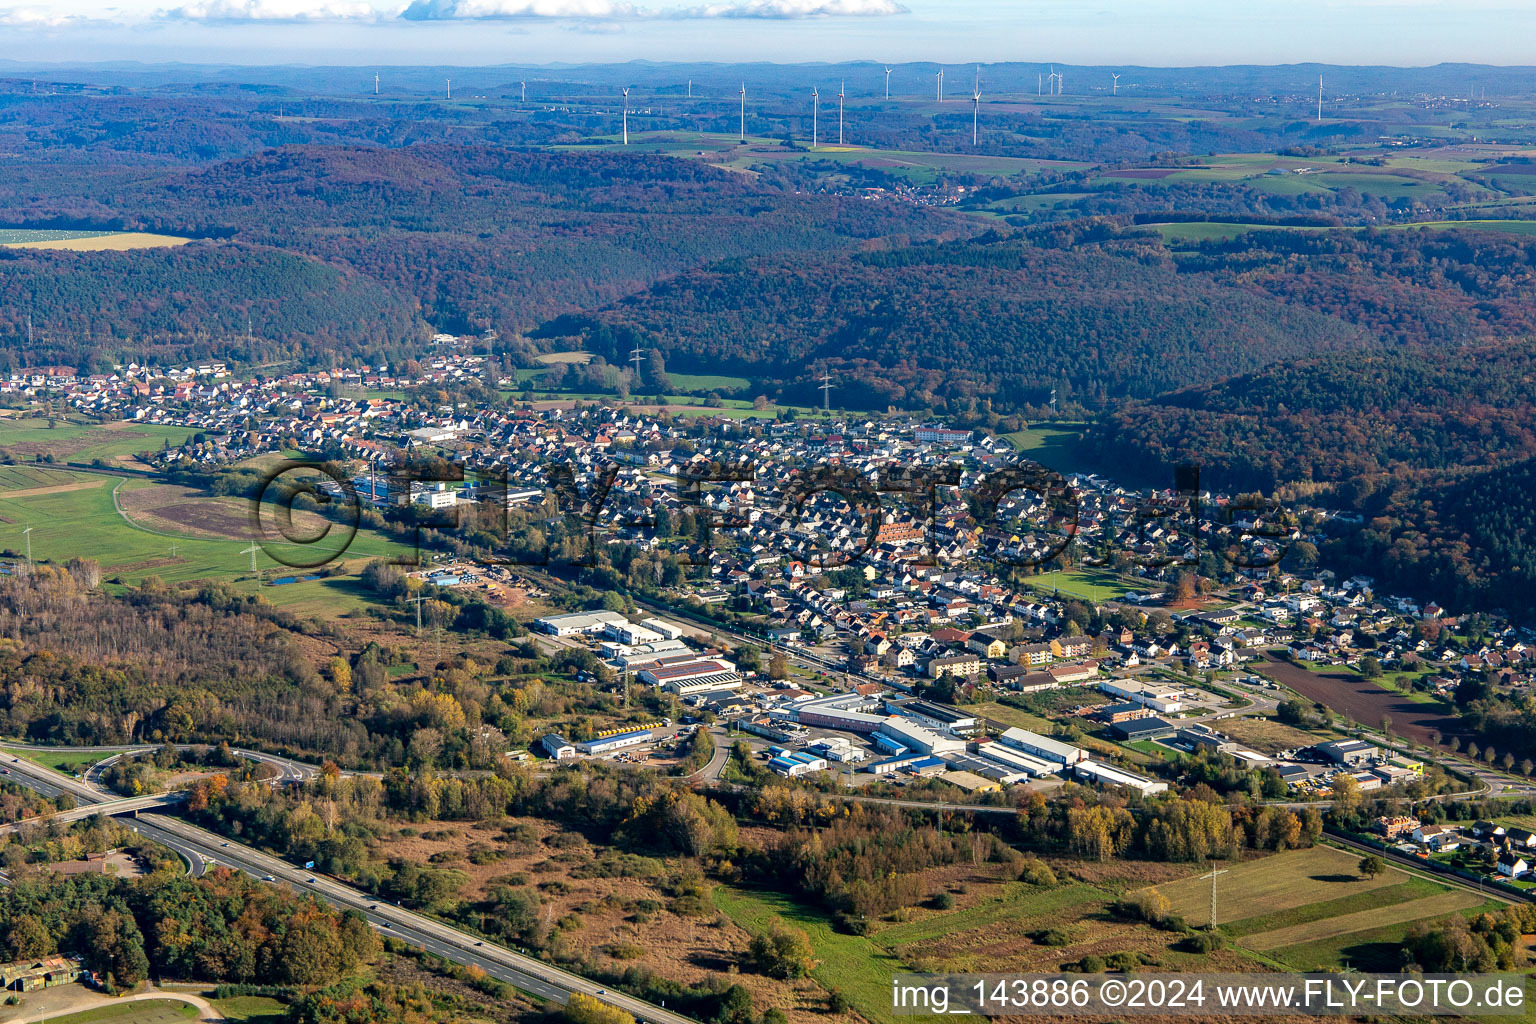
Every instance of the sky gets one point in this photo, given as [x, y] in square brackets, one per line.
[474, 32]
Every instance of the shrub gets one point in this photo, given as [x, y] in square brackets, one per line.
[1201, 942]
[1036, 872]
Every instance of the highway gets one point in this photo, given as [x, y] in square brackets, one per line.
[524, 972]
[203, 849]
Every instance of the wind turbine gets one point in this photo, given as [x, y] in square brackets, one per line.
[375, 85]
[975, 114]
[450, 87]
[690, 88]
[27, 533]
[525, 91]
[888, 83]
[1115, 89]
[1319, 99]
[841, 89]
[626, 115]
[940, 77]
[743, 111]
[815, 112]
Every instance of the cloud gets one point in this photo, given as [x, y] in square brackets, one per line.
[486, 10]
[37, 17]
[271, 11]
[789, 9]
[619, 10]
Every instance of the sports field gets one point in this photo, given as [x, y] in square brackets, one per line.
[185, 538]
[1090, 584]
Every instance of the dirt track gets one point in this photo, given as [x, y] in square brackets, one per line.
[1363, 701]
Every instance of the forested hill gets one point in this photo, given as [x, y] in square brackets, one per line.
[1354, 423]
[994, 318]
[1435, 447]
[190, 303]
[1466, 540]
[476, 237]
[1406, 285]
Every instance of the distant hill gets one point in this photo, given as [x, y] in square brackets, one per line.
[475, 237]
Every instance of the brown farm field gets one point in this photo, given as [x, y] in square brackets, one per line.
[117, 242]
[1362, 700]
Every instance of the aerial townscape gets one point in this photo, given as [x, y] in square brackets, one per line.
[600, 541]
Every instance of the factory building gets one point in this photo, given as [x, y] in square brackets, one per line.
[838, 718]
[935, 716]
[580, 622]
[557, 747]
[916, 738]
[1043, 747]
[987, 769]
[666, 629]
[608, 744]
[1158, 698]
[1015, 760]
[835, 748]
[693, 676]
[1101, 774]
[792, 763]
[629, 633]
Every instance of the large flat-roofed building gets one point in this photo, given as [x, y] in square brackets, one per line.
[838, 718]
[970, 782]
[629, 633]
[1200, 736]
[666, 629]
[1347, 751]
[987, 769]
[1144, 729]
[686, 678]
[791, 763]
[936, 716]
[635, 657]
[836, 748]
[918, 739]
[1101, 774]
[1043, 747]
[580, 622]
[1158, 698]
[618, 741]
[895, 764]
[1013, 759]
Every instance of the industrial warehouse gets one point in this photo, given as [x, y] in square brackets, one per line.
[869, 733]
